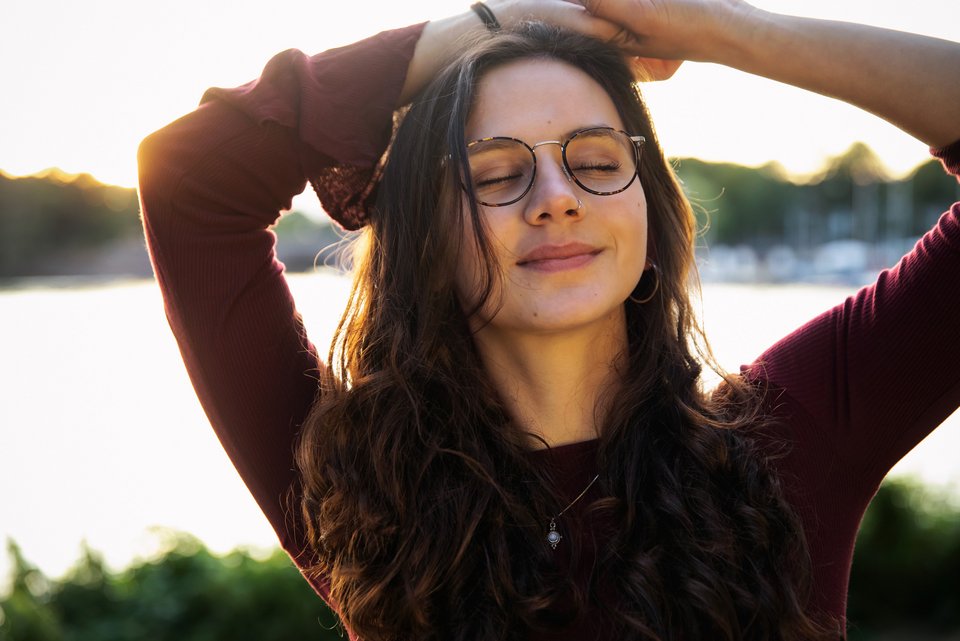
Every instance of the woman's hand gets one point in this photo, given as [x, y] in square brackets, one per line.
[569, 14]
[674, 29]
[909, 80]
[578, 16]
[439, 40]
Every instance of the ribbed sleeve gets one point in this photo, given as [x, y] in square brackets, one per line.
[337, 107]
[859, 386]
[210, 185]
[950, 157]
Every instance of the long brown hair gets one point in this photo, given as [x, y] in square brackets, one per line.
[421, 504]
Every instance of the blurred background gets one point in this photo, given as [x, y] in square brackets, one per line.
[123, 517]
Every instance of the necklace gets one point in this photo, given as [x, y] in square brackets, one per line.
[554, 537]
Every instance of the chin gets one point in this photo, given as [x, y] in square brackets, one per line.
[557, 316]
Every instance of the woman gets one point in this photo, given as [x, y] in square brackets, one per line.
[510, 440]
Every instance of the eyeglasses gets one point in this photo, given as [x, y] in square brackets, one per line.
[601, 160]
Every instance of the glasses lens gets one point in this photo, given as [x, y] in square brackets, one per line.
[602, 160]
[501, 170]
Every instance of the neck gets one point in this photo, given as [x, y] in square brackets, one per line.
[556, 385]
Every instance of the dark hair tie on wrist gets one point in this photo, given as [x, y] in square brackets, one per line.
[482, 10]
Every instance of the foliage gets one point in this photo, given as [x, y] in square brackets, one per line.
[55, 223]
[43, 218]
[904, 577]
[59, 224]
[739, 204]
[742, 205]
[907, 562]
[186, 595]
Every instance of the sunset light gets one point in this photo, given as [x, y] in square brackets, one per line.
[92, 79]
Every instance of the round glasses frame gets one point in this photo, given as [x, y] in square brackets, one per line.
[637, 142]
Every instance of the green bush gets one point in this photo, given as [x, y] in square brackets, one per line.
[906, 570]
[188, 594]
[904, 577]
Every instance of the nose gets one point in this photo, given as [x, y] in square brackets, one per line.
[553, 196]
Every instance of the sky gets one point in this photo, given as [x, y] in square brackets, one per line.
[84, 82]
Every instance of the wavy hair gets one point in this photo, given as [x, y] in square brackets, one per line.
[422, 507]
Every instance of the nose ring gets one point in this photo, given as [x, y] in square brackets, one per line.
[575, 212]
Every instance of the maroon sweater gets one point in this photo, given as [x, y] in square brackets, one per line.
[855, 388]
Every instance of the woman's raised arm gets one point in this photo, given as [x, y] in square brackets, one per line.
[909, 80]
[211, 183]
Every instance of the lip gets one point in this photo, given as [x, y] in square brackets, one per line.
[558, 257]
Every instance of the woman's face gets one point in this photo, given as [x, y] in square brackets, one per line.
[564, 265]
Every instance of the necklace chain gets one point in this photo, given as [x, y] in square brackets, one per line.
[554, 537]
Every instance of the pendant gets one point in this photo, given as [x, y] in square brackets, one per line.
[553, 537]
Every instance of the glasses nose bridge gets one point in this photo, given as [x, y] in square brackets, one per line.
[563, 159]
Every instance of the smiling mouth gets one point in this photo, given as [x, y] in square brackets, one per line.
[560, 261]
[549, 251]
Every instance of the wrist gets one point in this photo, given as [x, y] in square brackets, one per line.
[439, 42]
[733, 40]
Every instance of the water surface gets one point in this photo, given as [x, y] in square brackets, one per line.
[102, 437]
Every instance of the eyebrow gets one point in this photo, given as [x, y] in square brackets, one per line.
[495, 142]
[565, 136]
[573, 131]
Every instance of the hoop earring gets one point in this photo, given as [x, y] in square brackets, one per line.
[656, 286]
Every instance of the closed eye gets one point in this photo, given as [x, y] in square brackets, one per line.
[598, 166]
[497, 180]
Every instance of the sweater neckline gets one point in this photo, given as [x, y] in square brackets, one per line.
[570, 457]
[565, 448]
[570, 465]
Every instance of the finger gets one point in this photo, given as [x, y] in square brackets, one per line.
[593, 6]
[653, 69]
[579, 18]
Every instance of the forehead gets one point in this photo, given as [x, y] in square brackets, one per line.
[538, 99]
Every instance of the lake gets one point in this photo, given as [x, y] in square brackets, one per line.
[103, 440]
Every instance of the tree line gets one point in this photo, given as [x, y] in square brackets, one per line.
[55, 224]
[852, 197]
[904, 579]
[58, 224]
